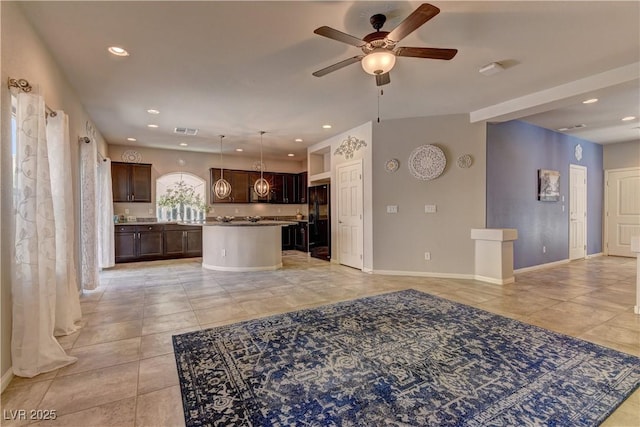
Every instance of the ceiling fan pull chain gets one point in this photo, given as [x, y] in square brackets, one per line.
[379, 95]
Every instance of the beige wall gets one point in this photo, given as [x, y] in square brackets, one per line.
[400, 240]
[25, 56]
[167, 161]
[621, 155]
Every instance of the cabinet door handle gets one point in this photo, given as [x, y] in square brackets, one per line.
[133, 197]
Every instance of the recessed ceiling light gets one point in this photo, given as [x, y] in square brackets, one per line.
[590, 101]
[563, 129]
[183, 144]
[153, 111]
[290, 154]
[240, 150]
[118, 51]
[298, 139]
[131, 139]
[628, 118]
[152, 126]
[326, 126]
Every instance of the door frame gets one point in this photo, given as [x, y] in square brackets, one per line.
[335, 226]
[586, 210]
[607, 173]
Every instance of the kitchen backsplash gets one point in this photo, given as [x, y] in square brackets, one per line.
[147, 210]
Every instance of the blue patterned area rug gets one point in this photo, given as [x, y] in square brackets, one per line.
[400, 359]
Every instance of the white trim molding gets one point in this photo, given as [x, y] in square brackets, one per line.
[541, 266]
[6, 379]
[425, 274]
[594, 255]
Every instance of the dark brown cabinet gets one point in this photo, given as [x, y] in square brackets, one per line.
[156, 241]
[288, 237]
[131, 182]
[288, 188]
[182, 241]
[300, 238]
[239, 181]
[301, 187]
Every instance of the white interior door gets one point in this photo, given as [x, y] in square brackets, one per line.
[622, 219]
[577, 212]
[350, 223]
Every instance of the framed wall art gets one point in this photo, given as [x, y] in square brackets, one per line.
[548, 185]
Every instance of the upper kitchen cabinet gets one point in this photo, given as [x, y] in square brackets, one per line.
[239, 181]
[131, 182]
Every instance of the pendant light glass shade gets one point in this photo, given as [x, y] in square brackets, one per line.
[221, 188]
[261, 186]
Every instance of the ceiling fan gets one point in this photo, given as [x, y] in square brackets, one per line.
[379, 47]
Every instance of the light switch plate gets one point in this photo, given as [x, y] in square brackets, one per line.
[391, 209]
[429, 208]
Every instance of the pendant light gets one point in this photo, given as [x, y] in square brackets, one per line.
[221, 188]
[261, 185]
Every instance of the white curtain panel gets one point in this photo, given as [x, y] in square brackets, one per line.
[89, 215]
[106, 248]
[68, 314]
[34, 349]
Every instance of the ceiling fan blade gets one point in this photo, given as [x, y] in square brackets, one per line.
[382, 79]
[422, 14]
[426, 52]
[338, 65]
[334, 34]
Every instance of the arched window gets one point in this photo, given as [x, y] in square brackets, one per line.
[180, 196]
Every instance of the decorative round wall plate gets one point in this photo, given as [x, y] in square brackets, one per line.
[465, 161]
[131, 156]
[391, 165]
[427, 162]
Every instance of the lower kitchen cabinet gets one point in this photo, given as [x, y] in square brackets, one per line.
[182, 241]
[156, 241]
[288, 236]
[301, 242]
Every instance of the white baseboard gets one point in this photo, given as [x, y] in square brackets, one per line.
[425, 274]
[595, 255]
[6, 379]
[541, 266]
[494, 280]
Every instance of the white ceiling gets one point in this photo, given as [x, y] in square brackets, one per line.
[236, 68]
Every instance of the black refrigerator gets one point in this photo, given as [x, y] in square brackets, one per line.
[319, 222]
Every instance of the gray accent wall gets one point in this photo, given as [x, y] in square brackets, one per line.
[515, 152]
[622, 155]
[400, 240]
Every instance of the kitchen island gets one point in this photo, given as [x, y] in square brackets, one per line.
[242, 245]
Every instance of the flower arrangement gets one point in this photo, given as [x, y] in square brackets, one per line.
[182, 202]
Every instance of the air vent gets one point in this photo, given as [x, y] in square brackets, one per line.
[572, 127]
[186, 131]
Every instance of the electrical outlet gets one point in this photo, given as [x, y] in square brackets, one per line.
[237, 210]
[391, 209]
[126, 211]
[427, 256]
[150, 211]
[224, 252]
[544, 249]
[429, 208]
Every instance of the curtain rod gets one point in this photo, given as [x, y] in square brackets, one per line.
[25, 86]
[87, 140]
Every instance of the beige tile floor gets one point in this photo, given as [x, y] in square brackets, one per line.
[126, 373]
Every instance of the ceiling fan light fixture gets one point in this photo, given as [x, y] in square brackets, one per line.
[379, 61]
